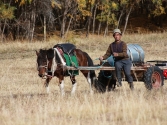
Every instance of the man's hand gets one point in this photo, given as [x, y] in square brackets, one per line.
[115, 54]
[101, 58]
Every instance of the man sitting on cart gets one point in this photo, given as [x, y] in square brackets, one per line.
[118, 50]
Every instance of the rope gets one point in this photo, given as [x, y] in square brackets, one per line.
[138, 52]
[96, 59]
[131, 56]
[73, 64]
[104, 61]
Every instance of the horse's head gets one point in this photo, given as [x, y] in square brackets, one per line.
[42, 62]
[47, 61]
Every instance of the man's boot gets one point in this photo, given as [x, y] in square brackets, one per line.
[119, 84]
[131, 85]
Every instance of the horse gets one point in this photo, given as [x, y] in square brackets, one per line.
[51, 62]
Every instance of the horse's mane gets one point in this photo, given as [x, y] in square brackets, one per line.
[50, 55]
[42, 54]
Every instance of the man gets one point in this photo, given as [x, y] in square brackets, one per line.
[118, 49]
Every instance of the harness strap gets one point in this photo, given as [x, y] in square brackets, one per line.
[73, 64]
[139, 52]
[54, 64]
[131, 56]
[61, 59]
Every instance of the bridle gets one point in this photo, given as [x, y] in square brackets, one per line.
[45, 66]
[46, 69]
[42, 66]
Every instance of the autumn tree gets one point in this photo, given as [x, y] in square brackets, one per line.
[157, 11]
[6, 13]
[73, 15]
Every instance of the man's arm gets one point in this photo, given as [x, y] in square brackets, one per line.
[124, 48]
[108, 52]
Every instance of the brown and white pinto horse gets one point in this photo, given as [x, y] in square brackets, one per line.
[50, 64]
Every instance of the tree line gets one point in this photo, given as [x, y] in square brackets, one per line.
[20, 19]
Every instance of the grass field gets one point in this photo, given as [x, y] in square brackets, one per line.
[23, 99]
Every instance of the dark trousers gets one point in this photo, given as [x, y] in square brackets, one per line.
[126, 66]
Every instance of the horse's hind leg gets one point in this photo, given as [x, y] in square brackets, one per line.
[46, 84]
[89, 79]
[61, 86]
[74, 85]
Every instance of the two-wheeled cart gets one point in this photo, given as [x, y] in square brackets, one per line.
[152, 73]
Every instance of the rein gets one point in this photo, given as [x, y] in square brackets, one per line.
[103, 62]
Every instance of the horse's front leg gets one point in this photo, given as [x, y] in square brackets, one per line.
[61, 86]
[74, 85]
[46, 84]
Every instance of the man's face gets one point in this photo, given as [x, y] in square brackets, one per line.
[117, 36]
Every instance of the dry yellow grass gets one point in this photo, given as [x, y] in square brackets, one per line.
[23, 99]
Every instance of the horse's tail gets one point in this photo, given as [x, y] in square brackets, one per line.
[90, 63]
[97, 84]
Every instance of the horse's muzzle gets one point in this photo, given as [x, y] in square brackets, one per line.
[41, 75]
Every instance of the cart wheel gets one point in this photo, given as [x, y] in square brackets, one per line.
[153, 78]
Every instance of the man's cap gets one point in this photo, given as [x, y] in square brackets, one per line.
[117, 31]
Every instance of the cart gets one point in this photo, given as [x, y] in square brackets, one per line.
[152, 73]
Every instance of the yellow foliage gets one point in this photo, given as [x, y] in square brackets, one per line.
[82, 7]
[159, 11]
[114, 5]
[55, 4]
[86, 13]
[22, 2]
[6, 12]
[81, 3]
[123, 2]
[91, 2]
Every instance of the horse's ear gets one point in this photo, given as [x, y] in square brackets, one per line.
[37, 53]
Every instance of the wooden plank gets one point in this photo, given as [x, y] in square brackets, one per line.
[102, 68]
[137, 68]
